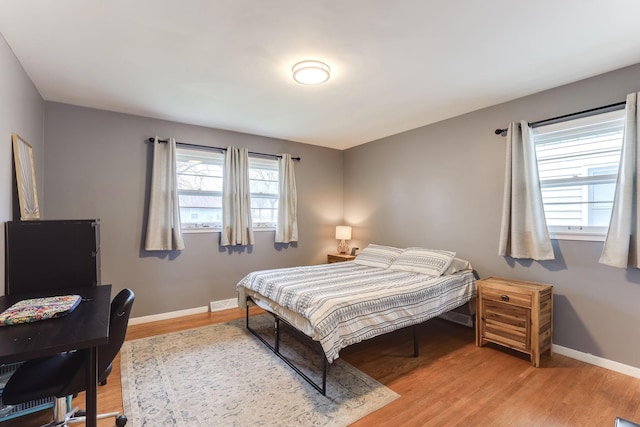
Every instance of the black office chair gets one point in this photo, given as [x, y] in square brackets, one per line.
[63, 374]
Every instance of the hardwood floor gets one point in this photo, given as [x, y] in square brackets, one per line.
[451, 383]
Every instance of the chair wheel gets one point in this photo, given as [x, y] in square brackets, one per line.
[121, 421]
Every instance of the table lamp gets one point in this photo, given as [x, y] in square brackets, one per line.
[343, 232]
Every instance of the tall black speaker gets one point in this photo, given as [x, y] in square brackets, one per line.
[52, 254]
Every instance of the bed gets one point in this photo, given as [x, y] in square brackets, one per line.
[340, 304]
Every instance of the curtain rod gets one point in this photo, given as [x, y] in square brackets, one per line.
[206, 147]
[584, 113]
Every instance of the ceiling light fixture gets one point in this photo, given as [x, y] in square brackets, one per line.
[311, 72]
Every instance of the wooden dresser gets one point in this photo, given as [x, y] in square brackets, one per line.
[515, 314]
[339, 257]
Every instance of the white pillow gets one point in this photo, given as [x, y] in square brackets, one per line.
[457, 265]
[377, 256]
[433, 262]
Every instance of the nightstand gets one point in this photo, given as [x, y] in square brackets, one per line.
[339, 258]
[515, 314]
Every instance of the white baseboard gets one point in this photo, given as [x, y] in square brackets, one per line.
[169, 315]
[213, 306]
[223, 304]
[597, 361]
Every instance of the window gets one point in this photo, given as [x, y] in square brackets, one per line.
[578, 165]
[264, 185]
[200, 176]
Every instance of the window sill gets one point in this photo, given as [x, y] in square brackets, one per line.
[217, 230]
[590, 237]
[200, 230]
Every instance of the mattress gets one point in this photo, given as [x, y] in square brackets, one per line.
[344, 303]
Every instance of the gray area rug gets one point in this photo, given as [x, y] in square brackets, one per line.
[221, 375]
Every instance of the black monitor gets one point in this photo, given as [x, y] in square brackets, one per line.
[52, 254]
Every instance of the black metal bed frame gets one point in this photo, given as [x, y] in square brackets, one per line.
[276, 347]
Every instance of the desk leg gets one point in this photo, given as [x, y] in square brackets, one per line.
[91, 397]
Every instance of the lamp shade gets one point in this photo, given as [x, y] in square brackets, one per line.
[343, 232]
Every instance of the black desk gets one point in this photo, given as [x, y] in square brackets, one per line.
[86, 327]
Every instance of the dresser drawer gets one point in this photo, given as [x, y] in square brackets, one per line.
[331, 258]
[506, 324]
[508, 296]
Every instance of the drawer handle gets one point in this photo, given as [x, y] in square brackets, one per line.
[504, 297]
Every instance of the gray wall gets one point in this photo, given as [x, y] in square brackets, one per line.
[441, 186]
[22, 112]
[97, 166]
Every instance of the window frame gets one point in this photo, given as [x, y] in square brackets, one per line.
[581, 232]
[215, 156]
[207, 156]
[272, 165]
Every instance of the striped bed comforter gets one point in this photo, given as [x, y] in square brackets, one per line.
[345, 303]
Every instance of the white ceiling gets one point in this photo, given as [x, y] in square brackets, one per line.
[396, 64]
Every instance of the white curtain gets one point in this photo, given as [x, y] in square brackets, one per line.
[163, 222]
[287, 227]
[524, 232]
[236, 199]
[621, 248]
